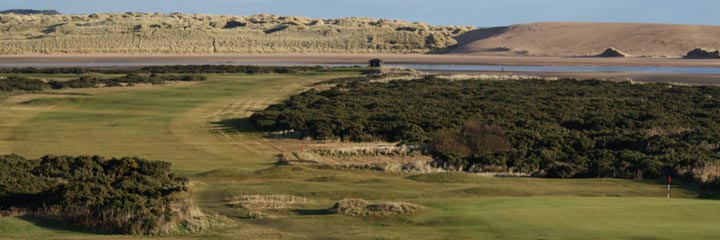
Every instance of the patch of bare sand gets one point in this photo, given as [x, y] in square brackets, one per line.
[573, 39]
[359, 59]
[680, 79]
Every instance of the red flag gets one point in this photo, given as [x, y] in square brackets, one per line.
[669, 179]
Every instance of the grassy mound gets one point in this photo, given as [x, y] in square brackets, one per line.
[362, 208]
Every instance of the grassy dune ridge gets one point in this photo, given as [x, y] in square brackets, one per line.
[204, 33]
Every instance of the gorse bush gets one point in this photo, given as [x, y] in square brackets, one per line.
[22, 84]
[130, 79]
[126, 195]
[25, 84]
[147, 75]
[228, 69]
[564, 128]
[176, 69]
[474, 142]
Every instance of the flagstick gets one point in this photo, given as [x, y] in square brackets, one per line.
[669, 181]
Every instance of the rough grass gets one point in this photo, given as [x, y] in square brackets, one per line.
[184, 124]
[202, 33]
[362, 208]
[262, 202]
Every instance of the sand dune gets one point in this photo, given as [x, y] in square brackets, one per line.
[588, 39]
[177, 33]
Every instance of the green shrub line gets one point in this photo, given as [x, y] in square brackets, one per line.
[187, 69]
[119, 195]
[563, 128]
[12, 84]
[129, 80]
[15, 83]
[246, 69]
[149, 75]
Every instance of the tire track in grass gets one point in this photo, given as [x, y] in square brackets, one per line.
[13, 114]
[202, 126]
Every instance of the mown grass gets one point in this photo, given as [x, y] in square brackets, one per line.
[144, 121]
[180, 124]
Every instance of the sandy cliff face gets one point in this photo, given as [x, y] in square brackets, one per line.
[200, 33]
[589, 39]
[142, 33]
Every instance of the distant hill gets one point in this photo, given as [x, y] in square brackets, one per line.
[30, 11]
[588, 39]
[46, 32]
[203, 33]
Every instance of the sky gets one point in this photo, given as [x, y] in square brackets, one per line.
[480, 13]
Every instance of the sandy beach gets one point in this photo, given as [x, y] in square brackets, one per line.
[104, 60]
[314, 58]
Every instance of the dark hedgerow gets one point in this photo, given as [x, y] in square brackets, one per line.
[12, 84]
[149, 75]
[564, 128]
[129, 79]
[22, 84]
[126, 195]
[177, 69]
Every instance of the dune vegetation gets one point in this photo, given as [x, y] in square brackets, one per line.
[202, 33]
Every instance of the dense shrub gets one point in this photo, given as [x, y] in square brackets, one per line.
[126, 195]
[713, 184]
[178, 69]
[149, 75]
[130, 79]
[32, 70]
[227, 69]
[22, 84]
[473, 144]
[563, 128]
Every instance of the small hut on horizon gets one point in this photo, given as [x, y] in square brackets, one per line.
[376, 63]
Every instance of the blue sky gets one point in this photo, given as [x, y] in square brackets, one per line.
[483, 13]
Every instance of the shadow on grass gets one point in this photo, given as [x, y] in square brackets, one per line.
[57, 225]
[689, 186]
[237, 125]
[702, 192]
[313, 212]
